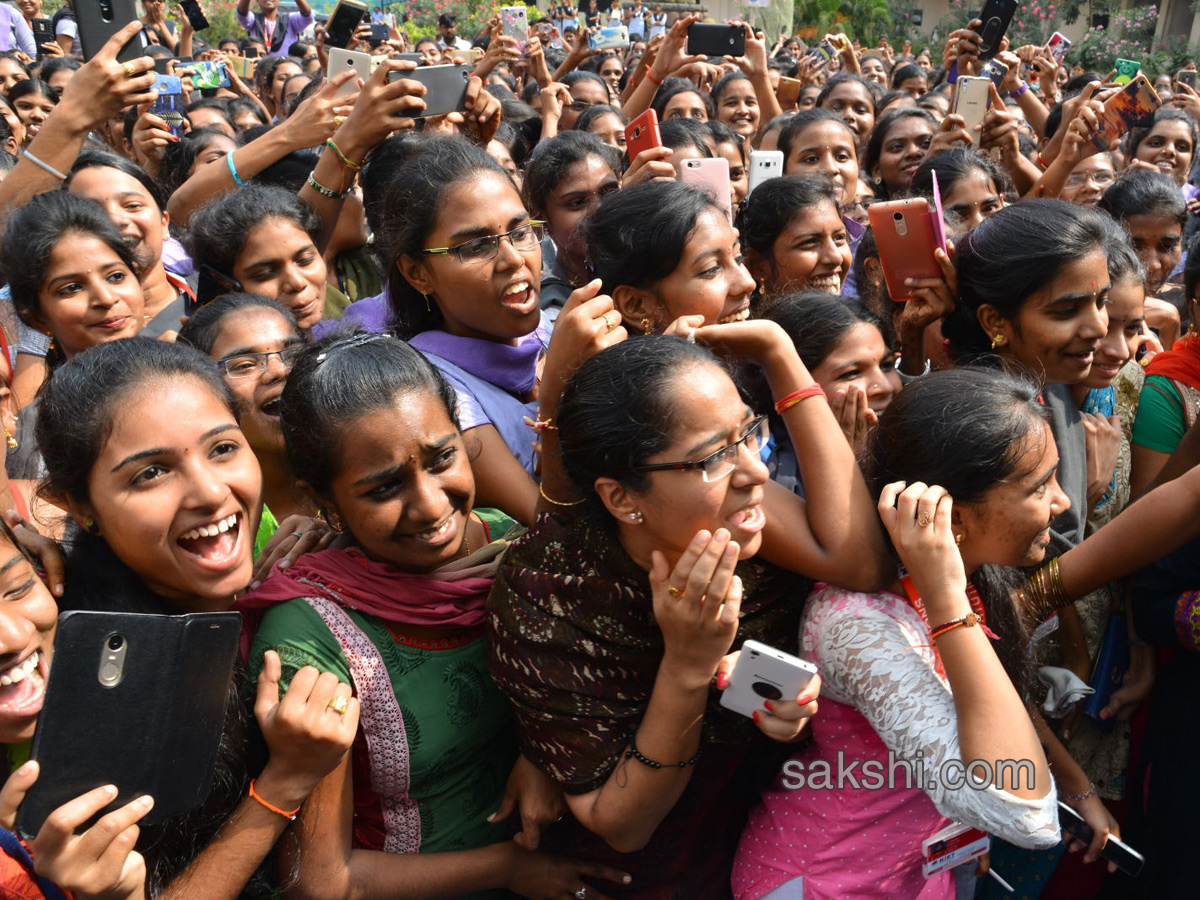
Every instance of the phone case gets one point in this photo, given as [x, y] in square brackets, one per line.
[243, 66]
[1131, 107]
[716, 40]
[997, 15]
[764, 673]
[971, 98]
[610, 37]
[1127, 70]
[764, 165]
[1058, 45]
[168, 106]
[379, 32]
[711, 175]
[788, 91]
[43, 33]
[445, 87]
[514, 22]
[340, 60]
[822, 53]
[146, 716]
[212, 284]
[194, 13]
[1188, 77]
[642, 134]
[938, 218]
[99, 20]
[207, 74]
[905, 237]
[344, 19]
[994, 71]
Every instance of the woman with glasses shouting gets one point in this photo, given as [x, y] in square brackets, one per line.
[612, 621]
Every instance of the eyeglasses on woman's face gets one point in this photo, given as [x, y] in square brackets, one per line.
[721, 463]
[482, 249]
[244, 365]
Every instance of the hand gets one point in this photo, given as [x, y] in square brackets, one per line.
[649, 165]
[50, 49]
[555, 97]
[699, 620]
[786, 720]
[1135, 688]
[951, 133]
[1096, 814]
[539, 798]
[968, 46]
[583, 328]
[284, 547]
[361, 39]
[100, 863]
[702, 73]
[1000, 128]
[312, 124]
[306, 737]
[46, 551]
[1102, 440]
[543, 876]
[1012, 78]
[481, 113]
[917, 518]
[754, 61]
[1186, 98]
[1047, 68]
[855, 416]
[673, 53]
[1086, 113]
[381, 107]
[151, 137]
[102, 89]
[757, 340]
[930, 299]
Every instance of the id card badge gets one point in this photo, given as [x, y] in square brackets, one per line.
[952, 846]
[938, 219]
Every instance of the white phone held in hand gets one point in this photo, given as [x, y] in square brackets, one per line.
[764, 673]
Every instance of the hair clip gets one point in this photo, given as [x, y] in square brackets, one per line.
[355, 340]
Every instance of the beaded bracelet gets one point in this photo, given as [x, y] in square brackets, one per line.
[321, 189]
[632, 752]
[1079, 798]
[255, 795]
[783, 404]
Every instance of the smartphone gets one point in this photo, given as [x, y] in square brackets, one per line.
[1127, 70]
[642, 134]
[611, 37]
[1114, 850]
[1058, 45]
[1131, 107]
[99, 20]
[712, 176]
[823, 53]
[971, 98]
[514, 22]
[788, 91]
[253, 53]
[996, 72]
[379, 32]
[445, 88]
[169, 104]
[243, 66]
[905, 236]
[340, 60]
[195, 15]
[764, 673]
[764, 164]
[133, 700]
[938, 218]
[716, 40]
[211, 285]
[1187, 76]
[997, 15]
[343, 22]
[43, 33]
[206, 74]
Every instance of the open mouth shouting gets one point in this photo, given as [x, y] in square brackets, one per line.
[214, 545]
[23, 686]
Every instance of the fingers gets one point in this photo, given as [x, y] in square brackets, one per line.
[60, 825]
[267, 696]
[593, 870]
[46, 551]
[14, 791]
[114, 44]
[98, 839]
[887, 503]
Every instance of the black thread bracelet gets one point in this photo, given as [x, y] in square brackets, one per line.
[633, 752]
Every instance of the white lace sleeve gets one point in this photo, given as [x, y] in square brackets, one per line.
[873, 655]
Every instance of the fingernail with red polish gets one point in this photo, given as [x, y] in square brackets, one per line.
[754, 716]
[722, 680]
[805, 700]
[767, 704]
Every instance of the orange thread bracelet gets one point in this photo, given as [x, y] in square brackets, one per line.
[783, 404]
[970, 620]
[255, 795]
[652, 79]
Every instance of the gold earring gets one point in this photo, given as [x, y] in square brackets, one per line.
[645, 326]
[428, 308]
[958, 539]
[999, 340]
[10, 440]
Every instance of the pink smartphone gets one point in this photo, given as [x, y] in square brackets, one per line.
[711, 175]
[905, 238]
[937, 217]
[642, 134]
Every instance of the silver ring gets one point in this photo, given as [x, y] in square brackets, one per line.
[298, 534]
[691, 336]
[581, 893]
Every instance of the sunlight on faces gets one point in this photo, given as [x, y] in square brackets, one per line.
[854, 105]
[825, 148]
[128, 204]
[739, 108]
[1158, 241]
[812, 252]
[174, 462]
[28, 621]
[279, 260]
[861, 359]
[903, 151]
[1088, 180]
[1168, 146]
[1126, 315]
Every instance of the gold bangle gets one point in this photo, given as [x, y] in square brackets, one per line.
[549, 499]
[1046, 592]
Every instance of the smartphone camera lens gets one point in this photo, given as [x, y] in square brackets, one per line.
[116, 642]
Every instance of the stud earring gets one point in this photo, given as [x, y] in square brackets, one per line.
[999, 340]
[10, 440]
[645, 326]
[958, 539]
[637, 518]
[91, 527]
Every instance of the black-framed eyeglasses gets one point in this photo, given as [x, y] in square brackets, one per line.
[243, 365]
[864, 203]
[720, 463]
[482, 249]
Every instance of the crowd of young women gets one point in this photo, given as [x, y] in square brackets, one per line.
[504, 442]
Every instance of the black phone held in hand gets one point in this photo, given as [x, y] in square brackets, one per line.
[133, 700]
[716, 40]
[99, 20]
[1114, 850]
[343, 22]
[997, 15]
[43, 33]
[445, 87]
[195, 15]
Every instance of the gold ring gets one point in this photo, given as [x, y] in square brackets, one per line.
[612, 319]
[923, 520]
[338, 120]
[674, 591]
[339, 704]
[130, 70]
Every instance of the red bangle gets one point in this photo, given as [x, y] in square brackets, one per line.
[783, 404]
[255, 795]
[650, 78]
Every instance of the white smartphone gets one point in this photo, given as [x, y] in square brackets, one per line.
[764, 164]
[971, 98]
[340, 60]
[764, 673]
[711, 175]
[514, 22]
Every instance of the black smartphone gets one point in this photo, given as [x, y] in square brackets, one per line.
[1115, 850]
[194, 13]
[997, 15]
[379, 32]
[342, 23]
[211, 285]
[99, 20]
[445, 87]
[43, 33]
[133, 700]
[716, 40]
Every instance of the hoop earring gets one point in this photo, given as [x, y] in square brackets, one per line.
[999, 340]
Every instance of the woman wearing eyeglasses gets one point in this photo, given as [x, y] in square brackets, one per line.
[1089, 180]
[610, 619]
[464, 267]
